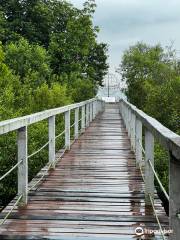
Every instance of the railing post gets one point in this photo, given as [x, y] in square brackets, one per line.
[94, 109]
[102, 106]
[23, 167]
[138, 142]
[129, 122]
[87, 114]
[67, 130]
[127, 118]
[124, 114]
[133, 131]
[174, 197]
[52, 144]
[83, 126]
[97, 107]
[76, 125]
[90, 112]
[149, 175]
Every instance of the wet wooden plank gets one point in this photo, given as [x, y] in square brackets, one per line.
[96, 191]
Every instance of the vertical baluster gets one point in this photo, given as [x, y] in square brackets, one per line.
[133, 131]
[102, 105]
[94, 109]
[149, 175]
[97, 107]
[23, 167]
[174, 197]
[76, 126]
[129, 122]
[127, 110]
[91, 111]
[87, 114]
[104, 108]
[138, 142]
[67, 130]
[83, 119]
[52, 144]
[124, 114]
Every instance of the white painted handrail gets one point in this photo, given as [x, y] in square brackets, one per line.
[16, 123]
[135, 120]
[89, 110]
[169, 139]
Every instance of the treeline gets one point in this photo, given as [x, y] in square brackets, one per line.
[49, 57]
[152, 75]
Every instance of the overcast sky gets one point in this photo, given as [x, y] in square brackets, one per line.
[124, 22]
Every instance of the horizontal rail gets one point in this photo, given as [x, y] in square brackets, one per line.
[169, 139]
[159, 181]
[157, 218]
[36, 183]
[153, 207]
[136, 121]
[142, 148]
[8, 214]
[155, 174]
[7, 173]
[90, 107]
[39, 150]
[64, 150]
[59, 135]
[48, 168]
[16, 123]
[72, 125]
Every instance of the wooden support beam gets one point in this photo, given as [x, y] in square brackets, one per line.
[23, 167]
[52, 144]
[83, 123]
[67, 130]
[91, 112]
[133, 131]
[87, 115]
[174, 194]
[149, 175]
[76, 125]
[138, 143]
[94, 109]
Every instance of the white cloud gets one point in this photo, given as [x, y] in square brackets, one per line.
[124, 22]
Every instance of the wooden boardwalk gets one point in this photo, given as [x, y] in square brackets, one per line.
[95, 192]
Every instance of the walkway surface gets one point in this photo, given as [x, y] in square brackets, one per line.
[95, 192]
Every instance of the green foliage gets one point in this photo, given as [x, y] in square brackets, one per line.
[67, 32]
[165, 97]
[46, 98]
[97, 66]
[30, 62]
[161, 165]
[3, 28]
[49, 57]
[85, 90]
[76, 50]
[153, 84]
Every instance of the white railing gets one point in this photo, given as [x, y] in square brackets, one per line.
[135, 120]
[89, 110]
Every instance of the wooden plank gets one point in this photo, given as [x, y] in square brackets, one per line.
[95, 192]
